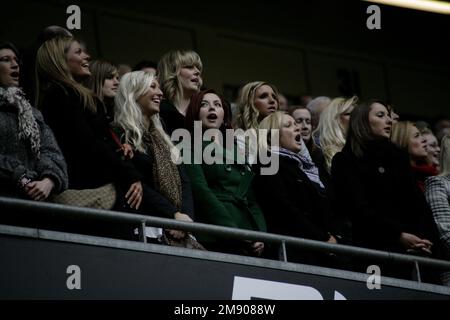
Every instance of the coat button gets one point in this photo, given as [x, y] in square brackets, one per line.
[381, 170]
[228, 168]
[242, 173]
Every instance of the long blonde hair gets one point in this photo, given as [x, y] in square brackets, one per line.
[247, 114]
[444, 161]
[330, 130]
[169, 68]
[128, 114]
[52, 68]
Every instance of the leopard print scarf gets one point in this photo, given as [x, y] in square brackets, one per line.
[165, 173]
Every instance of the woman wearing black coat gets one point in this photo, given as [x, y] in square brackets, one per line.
[292, 199]
[375, 187]
[78, 120]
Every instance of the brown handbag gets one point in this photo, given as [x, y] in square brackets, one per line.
[98, 198]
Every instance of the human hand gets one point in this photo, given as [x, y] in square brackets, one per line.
[258, 248]
[134, 195]
[414, 244]
[178, 234]
[127, 151]
[332, 240]
[39, 190]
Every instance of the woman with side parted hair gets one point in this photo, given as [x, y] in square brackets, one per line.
[437, 193]
[78, 120]
[167, 191]
[179, 73]
[408, 137]
[104, 82]
[256, 100]
[375, 187]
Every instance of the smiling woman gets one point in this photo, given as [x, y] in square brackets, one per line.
[78, 119]
[166, 192]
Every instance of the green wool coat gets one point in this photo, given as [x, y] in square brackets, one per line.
[223, 193]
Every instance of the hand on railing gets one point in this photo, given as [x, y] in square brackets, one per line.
[178, 234]
[415, 245]
[258, 248]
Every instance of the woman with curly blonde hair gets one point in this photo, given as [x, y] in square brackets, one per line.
[179, 73]
[166, 191]
[256, 100]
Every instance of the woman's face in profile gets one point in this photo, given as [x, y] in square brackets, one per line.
[379, 120]
[9, 68]
[110, 86]
[433, 148]
[417, 146]
[78, 61]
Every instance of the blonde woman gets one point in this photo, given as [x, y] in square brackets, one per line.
[79, 122]
[408, 137]
[166, 191]
[256, 100]
[291, 200]
[332, 128]
[437, 192]
[433, 148]
[179, 73]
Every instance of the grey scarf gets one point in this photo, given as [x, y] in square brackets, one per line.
[27, 125]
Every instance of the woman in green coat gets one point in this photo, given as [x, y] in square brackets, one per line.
[220, 177]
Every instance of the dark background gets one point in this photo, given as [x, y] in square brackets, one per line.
[303, 47]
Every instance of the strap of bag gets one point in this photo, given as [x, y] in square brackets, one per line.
[115, 138]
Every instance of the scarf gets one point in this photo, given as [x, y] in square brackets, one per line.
[305, 164]
[166, 177]
[27, 125]
[423, 171]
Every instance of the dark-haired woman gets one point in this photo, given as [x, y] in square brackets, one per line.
[222, 189]
[375, 187]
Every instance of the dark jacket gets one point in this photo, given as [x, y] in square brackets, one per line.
[171, 118]
[291, 203]
[380, 196]
[153, 201]
[85, 140]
